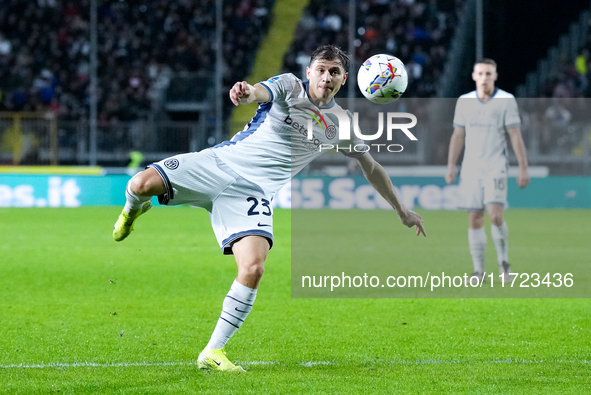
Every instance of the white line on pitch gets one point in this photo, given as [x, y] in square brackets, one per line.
[304, 364]
[93, 365]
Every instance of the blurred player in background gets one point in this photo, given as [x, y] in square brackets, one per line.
[481, 119]
[237, 179]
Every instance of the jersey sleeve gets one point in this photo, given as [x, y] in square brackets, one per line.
[280, 86]
[459, 118]
[512, 114]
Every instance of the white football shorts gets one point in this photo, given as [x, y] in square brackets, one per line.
[475, 194]
[236, 206]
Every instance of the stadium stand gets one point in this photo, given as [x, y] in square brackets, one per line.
[564, 73]
[418, 32]
[555, 114]
[149, 53]
[44, 51]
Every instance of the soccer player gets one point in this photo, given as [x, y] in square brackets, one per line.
[237, 179]
[481, 119]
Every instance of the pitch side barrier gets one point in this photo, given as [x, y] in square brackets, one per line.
[74, 187]
[428, 192]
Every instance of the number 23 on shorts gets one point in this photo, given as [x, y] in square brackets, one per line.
[254, 209]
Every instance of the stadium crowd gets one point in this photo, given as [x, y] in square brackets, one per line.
[572, 78]
[45, 48]
[559, 117]
[417, 31]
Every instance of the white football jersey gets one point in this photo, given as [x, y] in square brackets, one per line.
[274, 146]
[486, 124]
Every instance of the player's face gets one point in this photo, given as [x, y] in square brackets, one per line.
[326, 78]
[484, 75]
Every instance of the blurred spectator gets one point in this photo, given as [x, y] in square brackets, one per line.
[581, 65]
[555, 134]
[5, 46]
[581, 61]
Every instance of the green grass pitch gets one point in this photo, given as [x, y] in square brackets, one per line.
[81, 314]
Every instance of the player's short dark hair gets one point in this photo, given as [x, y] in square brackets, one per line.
[486, 61]
[331, 52]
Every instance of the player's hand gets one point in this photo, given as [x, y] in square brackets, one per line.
[450, 176]
[522, 178]
[242, 93]
[410, 219]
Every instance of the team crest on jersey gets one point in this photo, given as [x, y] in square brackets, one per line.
[172, 163]
[331, 132]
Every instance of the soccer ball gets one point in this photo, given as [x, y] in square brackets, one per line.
[382, 78]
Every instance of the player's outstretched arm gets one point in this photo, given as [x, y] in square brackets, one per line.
[244, 93]
[377, 177]
[519, 148]
[455, 148]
